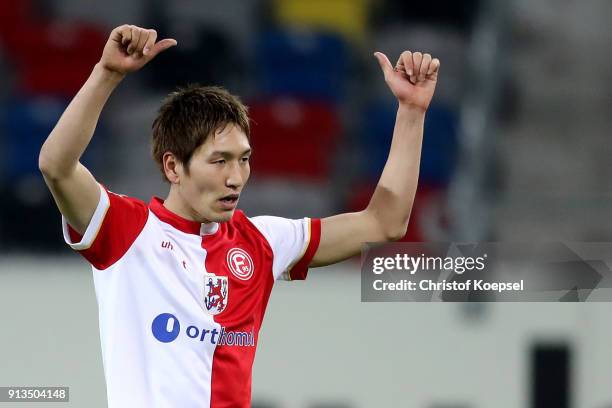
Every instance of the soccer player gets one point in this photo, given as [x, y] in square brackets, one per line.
[182, 284]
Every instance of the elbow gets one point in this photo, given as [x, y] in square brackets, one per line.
[388, 229]
[50, 168]
[45, 165]
[393, 231]
[396, 233]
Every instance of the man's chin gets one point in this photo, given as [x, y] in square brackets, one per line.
[223, 216]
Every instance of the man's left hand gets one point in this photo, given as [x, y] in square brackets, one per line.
[413, 79]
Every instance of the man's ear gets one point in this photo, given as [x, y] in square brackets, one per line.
[173, 169]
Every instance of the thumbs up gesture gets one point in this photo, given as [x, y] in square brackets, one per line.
[129, 48]
[413, 79]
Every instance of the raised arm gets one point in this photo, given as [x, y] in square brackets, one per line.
[412, 81]
[73, 187]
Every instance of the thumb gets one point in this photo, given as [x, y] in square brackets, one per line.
[162, 46]
[384, 63]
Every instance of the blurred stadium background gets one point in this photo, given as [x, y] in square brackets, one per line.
[516, 148]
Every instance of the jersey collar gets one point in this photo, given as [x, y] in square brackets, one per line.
[182, 224]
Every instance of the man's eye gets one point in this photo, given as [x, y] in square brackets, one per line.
[219, 161]
[245, 159]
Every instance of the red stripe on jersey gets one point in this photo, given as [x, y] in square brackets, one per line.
[300, 269]
[123, 222]
[178, 222]
[247, 300]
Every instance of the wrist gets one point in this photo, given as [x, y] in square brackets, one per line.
[107, 75]
[411, 113]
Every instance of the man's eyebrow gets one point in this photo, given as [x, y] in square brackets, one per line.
[225, 153]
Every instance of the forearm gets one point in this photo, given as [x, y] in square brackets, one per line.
[412, 82]
[393, 197]
[64, 146]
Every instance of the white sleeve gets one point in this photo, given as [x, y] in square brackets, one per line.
[293, 244]
[94, 225]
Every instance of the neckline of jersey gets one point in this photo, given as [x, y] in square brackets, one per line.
[182, 224]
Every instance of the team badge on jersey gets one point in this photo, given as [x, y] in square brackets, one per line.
[215, 293]
[240, 263]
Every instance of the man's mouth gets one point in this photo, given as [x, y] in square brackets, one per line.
[229, 201]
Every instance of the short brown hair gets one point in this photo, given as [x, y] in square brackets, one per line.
[189, 116]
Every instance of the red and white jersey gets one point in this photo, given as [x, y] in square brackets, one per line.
[180, 302]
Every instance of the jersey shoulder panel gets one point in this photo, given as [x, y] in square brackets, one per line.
[293, 244]
[240, 222]
[117, 221]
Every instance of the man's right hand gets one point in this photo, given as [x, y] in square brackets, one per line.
[129, 48]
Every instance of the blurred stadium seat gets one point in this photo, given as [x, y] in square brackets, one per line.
[26, 122]
[460, 15]
[25, 125]
[237, 20]
[105, 13]
[428, 220]
[205, 56]
[305, 64]
[440, 143]
[13, 14]
[53, 58]
[294, 138]
[346, 17]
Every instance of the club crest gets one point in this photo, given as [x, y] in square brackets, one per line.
[240, 263]
[215, 293]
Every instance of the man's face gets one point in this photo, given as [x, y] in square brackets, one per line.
[218, 171]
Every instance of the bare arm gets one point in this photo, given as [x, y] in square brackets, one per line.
[73, 187]
[386, 217]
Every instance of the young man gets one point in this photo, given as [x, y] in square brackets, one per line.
[182, 283]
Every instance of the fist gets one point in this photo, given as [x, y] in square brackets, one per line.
[129, 48]
[413, 79]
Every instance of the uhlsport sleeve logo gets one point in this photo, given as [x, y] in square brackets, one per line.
[240, 263]
[216, 292]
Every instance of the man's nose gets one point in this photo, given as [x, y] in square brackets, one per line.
[234, 176]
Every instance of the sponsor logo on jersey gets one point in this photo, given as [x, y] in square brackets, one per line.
[166, 328]
[240, 263]
[216, 291]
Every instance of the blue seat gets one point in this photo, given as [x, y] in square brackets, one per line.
[26, 122]
[440, 144]
[304, 64]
